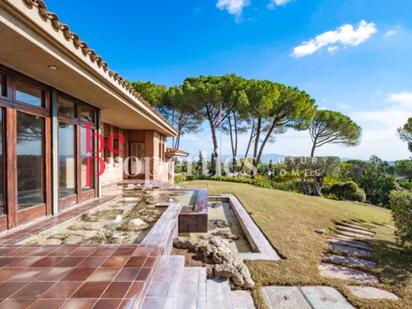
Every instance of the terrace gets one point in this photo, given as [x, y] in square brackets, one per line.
[96, 256]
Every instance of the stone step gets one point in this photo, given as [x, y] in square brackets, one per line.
[242, 300]
[353, 235]
[354, 230]
[346, 273]
[218, 294]
[163, 290]
[350, 243]
[192, 289]
[349, 261]
[350, 250]
[355, 226]
[366, 292]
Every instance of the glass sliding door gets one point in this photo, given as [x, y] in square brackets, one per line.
[67, 160]
[30, 160]
[86, 159]
[2, 166]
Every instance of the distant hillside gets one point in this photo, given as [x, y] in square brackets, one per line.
[275, 157]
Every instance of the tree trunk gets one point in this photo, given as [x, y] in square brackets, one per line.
[252, 132]
[215, 154]
[272, 127]
[312, 153]
[256, 146]
[317, 185]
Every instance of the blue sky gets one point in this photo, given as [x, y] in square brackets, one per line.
[362, 65]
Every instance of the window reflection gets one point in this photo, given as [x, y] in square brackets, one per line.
[30, 160]
[2, 165]
[66, 107]
[86, 114]
[29, 94]
[67, 161]
[86, 158]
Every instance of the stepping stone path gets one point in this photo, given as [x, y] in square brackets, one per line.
[371, 293]
[348, 254]
[338, 259]
[346, 273]
[348, 249]
[317, 297]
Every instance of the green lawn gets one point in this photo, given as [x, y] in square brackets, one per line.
[289, 219]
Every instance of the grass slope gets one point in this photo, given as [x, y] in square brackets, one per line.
[289, 219]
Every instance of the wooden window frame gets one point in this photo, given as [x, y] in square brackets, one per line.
[80, 195]
[11, 107]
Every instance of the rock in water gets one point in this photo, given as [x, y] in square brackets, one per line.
[222, 262]
[137, 225]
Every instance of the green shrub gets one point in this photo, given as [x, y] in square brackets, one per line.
[405, 184]
[401, 207]
[180, 177]
[347, 191]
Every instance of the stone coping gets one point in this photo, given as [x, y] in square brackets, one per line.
[258, 241]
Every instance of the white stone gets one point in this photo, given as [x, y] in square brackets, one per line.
[346, 273]
[371, 293]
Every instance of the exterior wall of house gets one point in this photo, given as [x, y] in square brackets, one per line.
[154, 153]
[114, 162]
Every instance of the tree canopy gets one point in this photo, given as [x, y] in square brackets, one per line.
[330, 127]
[405, 133]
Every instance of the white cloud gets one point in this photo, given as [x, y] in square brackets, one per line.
[234, 7]
[402, 98]
[393, 31]
[344, 36]
[274, 3]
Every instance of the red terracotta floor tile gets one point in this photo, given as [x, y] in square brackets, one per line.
[4, 250]
[141, 251]
[150, 262]
[103, 251]
[9, 288]
[143, 274]
[6, 260]
[79, 304]
[92, 262]
[107, 304]
[79, 274]
[24, 262]
[124, 251]
[41, 251]
[47, 261]
[63, 289]
[127, 304]
[91, 290]
[16, 303]
[135, 290]
[33, 290]
[53, 274]
[26, 274]
[115, 261]
[47, 304]
[6, 273]
[62, 251]
[103, 274]
[83, 251]
[136, 261]
[117, 290]
[69, 261]
[127, 274]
